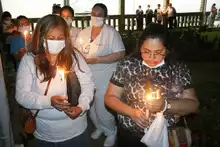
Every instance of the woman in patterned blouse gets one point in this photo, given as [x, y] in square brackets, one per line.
[127, 87]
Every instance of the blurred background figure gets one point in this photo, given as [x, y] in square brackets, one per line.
[139, 17]
[171, 13]
[68, 13]
[158, 14]
[20, 42]
[149, 15]
[56, 9]
[212, 15]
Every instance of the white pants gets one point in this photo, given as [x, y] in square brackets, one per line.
[101, 118]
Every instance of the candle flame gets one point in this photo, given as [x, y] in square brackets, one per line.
[153, 95]
[25, 33]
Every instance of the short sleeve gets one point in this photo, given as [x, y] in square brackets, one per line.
[117, 44]
[118, 77]
[185, 76]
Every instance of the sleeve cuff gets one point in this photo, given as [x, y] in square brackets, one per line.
[84, 108]
[46, 102]
[116, 83]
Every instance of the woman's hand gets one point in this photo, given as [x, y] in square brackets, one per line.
[139, 118]
[156, 105]
[73, 112]
[60, 103]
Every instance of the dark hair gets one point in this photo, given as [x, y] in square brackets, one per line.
[65, 57]
[213, 4]
[70, 9]
[158, 5]
[5, 15]
[170, 4]
[155, 31]
[103, 7]
[56, 9]
[21, 17]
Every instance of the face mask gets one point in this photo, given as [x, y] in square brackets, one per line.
[69, 21]
[24, 28]
[97, 21]
[7, 22]
[158, 65]
[54, 46]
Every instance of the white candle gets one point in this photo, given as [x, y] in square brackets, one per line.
[25, 39]
[62, 74]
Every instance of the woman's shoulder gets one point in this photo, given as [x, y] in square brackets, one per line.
[130, 61]
[28, 57]
[177, 65]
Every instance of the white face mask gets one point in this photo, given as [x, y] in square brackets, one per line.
[24, 28]
[69, 21]
[158, 65]
[54, 46]
[97, 21]
[7, 22]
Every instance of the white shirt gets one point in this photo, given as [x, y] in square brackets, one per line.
[53, 125]
[74, 32]
[107, 42]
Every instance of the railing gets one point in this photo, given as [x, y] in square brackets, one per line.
[183, 20]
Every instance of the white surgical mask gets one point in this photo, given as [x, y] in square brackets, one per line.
[7, 22]
[69, 21]
[54, 46]
[24, 28]
[97, 21]
[158, 65]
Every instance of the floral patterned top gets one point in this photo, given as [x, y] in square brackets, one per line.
[132, 75]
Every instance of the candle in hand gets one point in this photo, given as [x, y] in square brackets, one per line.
[62, 74]
[25, 38]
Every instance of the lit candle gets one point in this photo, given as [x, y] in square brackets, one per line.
[62, 74]
[151, 95]
[25, 39]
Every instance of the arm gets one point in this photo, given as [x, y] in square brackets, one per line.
[112, 100]
[111, 57]
[117, 51]
[188, 104]
[24, 94]
[86, 83]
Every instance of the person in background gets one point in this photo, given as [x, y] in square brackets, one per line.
[102, 47]
[171, 13]
[58, 123]
[68, 13]
[139, 17]
[56, 9]
[7, 26]
[149, 15]
[147, 68]
[20, 42]
[158, 14]
[212, 15]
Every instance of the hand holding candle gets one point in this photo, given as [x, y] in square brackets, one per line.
[155, 102]
[63, 79]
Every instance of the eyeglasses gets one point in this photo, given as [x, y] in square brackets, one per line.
[155, 54]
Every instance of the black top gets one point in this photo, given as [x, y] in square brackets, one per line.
[132, 75]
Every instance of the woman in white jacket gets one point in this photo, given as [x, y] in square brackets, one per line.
[58, 123]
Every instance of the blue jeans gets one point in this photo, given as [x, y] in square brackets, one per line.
[79, 141]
